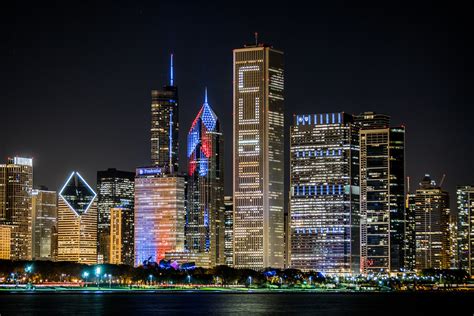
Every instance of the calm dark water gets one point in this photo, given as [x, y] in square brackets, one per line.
[239, 303]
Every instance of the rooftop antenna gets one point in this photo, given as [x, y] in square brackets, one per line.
[205, 95]
[171, 71]
[256, 39]
[442, 180]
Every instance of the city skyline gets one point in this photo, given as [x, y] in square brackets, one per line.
[386, 72]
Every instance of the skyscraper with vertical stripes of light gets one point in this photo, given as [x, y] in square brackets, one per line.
[258, 157]
[205, 212]
[165, 126]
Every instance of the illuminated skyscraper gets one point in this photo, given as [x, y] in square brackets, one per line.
[115, 189]
[258, 162]
[121, 236]
[159, 214]
[465, 205]
[205, 212]
[229, 230]
[409, 244]
[432, 226]
[324, 198]
[45, 229]
[77, 221]
[16, 184]
[165, 126]
[382, 194]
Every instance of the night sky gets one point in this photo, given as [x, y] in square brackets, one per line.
[75, 77]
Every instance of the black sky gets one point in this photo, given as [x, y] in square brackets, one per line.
[76, 77]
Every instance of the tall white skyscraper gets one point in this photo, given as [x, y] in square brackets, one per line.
[258, 162]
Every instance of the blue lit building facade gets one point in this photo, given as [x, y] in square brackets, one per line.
[159, 214]
[324, 194]
[204, 228]
[165, 126]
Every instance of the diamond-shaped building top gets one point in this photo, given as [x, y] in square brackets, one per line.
[77, 193]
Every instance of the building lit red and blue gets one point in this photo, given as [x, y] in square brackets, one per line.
[205, 212]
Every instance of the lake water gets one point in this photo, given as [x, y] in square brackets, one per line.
[205, 303]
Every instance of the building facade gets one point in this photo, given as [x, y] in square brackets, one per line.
[165, 126]
[204, 228]
[45, 229]
[16, 185]
[159, 214]
[409, 244]
[5, 241]
[324, 193]
[258, 157]
[382, 194]
[432, 226]
[77, 221]
[465, 206]
[121, 246]
[229, 230]
[115, 189]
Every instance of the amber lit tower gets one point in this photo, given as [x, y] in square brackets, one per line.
[164, 126]
[77, 221]
[431, 226]
[16, 184]
[258, 182]
[205, 211]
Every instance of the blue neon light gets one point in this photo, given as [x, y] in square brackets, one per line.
[171, 72]
[148, 171]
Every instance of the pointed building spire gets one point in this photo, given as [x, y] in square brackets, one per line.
[205, 95]
[171, 71]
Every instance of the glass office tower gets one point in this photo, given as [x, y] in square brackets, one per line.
[115, 189]
[258, 183]
[159, 214]
[16, 184]
[45, 229]
[432, 226]
[204, 228]
[165, 126]
[324, 193]
[382, 185]
[465, 205]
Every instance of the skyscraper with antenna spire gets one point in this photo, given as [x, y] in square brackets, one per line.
[165, 126]
[205, 212]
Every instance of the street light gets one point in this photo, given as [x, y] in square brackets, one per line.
[189, 279]
[151, 278]
[250, 281]
[97, 275]
[110, 281]
[85, 275]
[310, 279]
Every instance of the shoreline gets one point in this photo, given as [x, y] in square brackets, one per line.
[125, 291]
